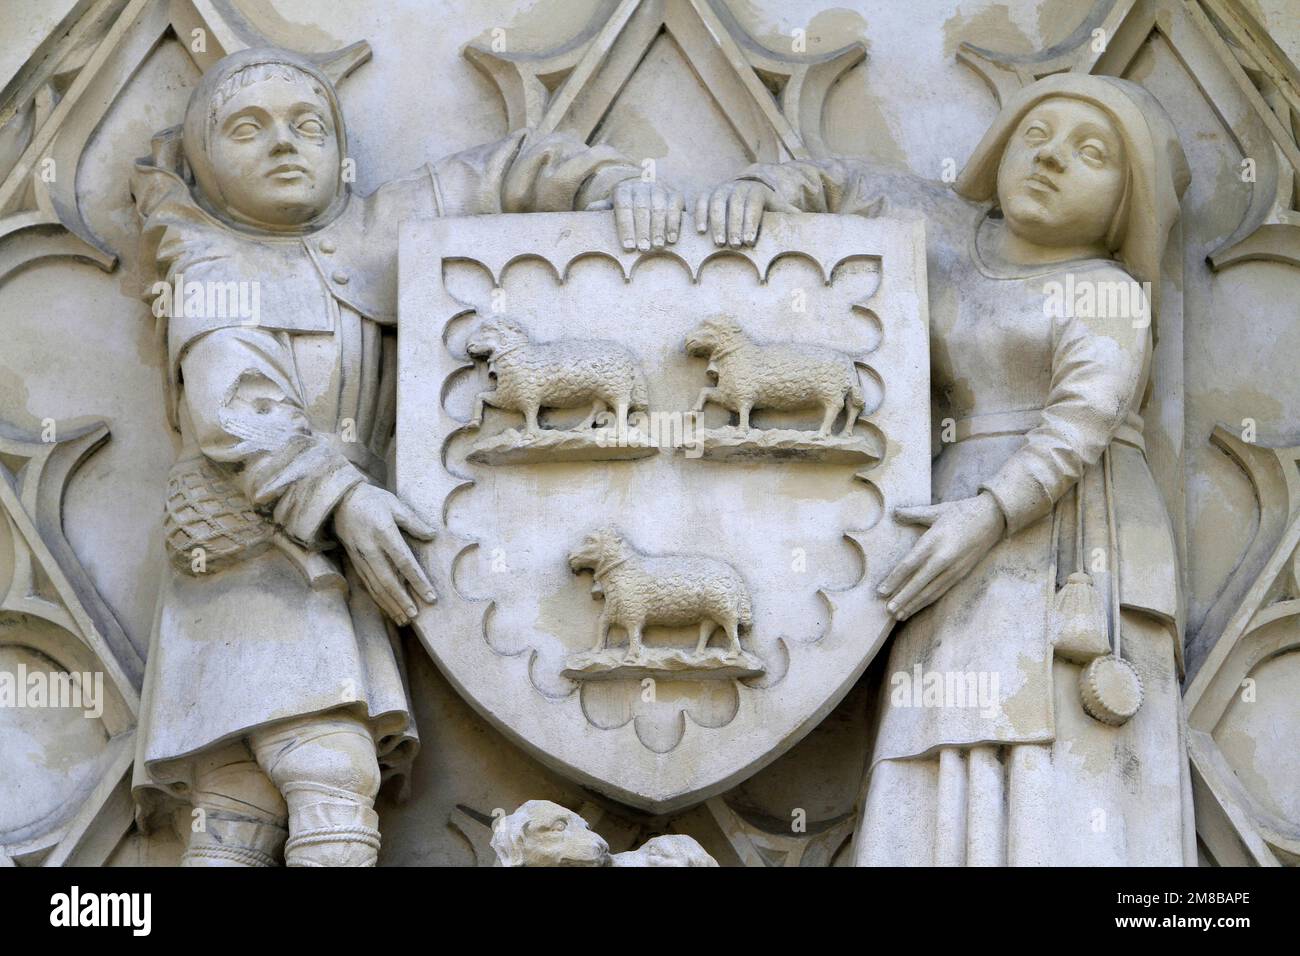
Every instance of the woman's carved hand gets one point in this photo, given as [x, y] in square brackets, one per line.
[369, 522]
[960, 534]
[734, 212]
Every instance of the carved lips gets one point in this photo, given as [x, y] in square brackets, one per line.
[289, 173]
[1042, 182]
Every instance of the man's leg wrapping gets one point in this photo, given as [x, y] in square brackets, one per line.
[238, 817]
[327, 770]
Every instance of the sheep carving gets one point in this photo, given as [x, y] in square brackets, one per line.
[568, 373]
[782, 376]
[672, 590]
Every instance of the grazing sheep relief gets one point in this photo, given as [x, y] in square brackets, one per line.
[643, 590]
[571, 373]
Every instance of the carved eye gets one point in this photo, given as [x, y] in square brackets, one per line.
[1093, 152]
[311, 126]
[561, 826]
[244, 129]
[1036, 133]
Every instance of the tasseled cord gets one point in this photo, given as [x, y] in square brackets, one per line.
[1079, 620]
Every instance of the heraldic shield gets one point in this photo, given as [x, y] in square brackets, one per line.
[665, 481]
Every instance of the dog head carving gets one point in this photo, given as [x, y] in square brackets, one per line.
[541, 833]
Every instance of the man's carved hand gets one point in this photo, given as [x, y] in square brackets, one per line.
[734, 212]
[961, 533]
[369, 522]
[648, 215]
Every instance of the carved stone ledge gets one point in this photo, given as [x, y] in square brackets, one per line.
[516, 447]
[730, 443]
[663, 663]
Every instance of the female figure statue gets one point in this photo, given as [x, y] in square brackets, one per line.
[1045, 512]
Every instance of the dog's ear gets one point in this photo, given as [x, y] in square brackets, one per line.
[507, 841]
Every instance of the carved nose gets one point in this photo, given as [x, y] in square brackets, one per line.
[283, 141]
[1050, 156]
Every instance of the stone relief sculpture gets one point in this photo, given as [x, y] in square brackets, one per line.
[785, 377]
[1078, 179]
[526, 662]
[1241, 797]
[643, 590]
[288, 579]
[64, 658]
[275, 700]
[542, 833]
[531, 376]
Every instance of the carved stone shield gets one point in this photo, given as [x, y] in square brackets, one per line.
[654, 601]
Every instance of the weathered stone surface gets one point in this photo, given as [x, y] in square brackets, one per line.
[765, 316]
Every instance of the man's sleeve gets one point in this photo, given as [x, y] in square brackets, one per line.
[241, 396]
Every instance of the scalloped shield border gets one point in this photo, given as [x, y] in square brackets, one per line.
[705, 762]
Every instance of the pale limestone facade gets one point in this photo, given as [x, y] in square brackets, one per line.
[628, 426]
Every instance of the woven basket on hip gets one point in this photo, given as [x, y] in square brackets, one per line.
[209, 522]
